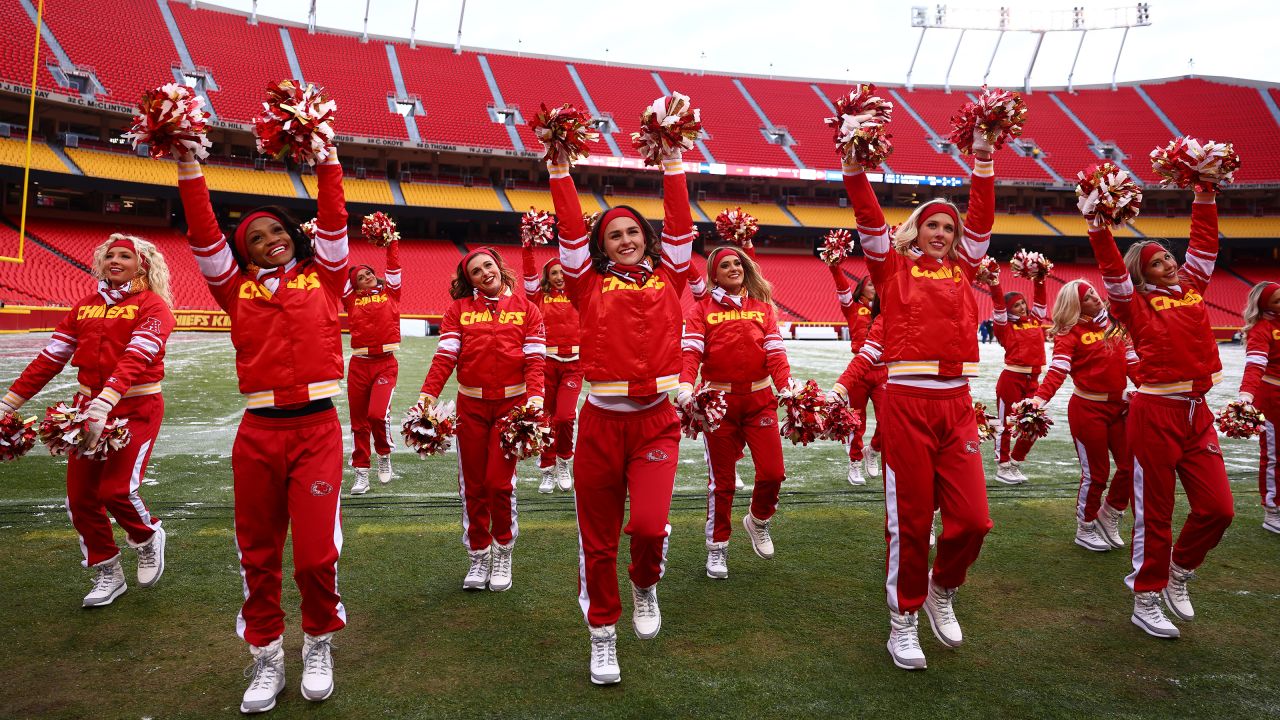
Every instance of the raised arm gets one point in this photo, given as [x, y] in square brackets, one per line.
[392, 275]
[1000, 311]
[980, 217]
[1202, 253]
[330, 243]
[873, 231]
[571, 231]
[535, 355]
[46, 366]
[1256, 353]
[213, 255]
[697, 283]
[1040, 300]
[677, 221]
[446, 357]
[1115, 276]
[532, 278]
[775, 353]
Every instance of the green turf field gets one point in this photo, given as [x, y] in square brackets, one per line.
[1046, 623]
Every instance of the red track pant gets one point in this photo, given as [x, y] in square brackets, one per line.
[1173, 438]
[871, 387]
[1268, 401]
[751, 421]
[486, 478]
[96, 487]
[288, 475]
[1098, 427]
[370, 383]
[563, 381]
[932, 462]
[621, 454]
[1010, 388]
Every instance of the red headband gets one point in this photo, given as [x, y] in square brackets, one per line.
[128, 244]
[941, 207]
[486, 250]
[1268, 292]
[711, 257]
[243, 229]
[1082, 289]
[615, 213]
[547, 265]
[351, 272]
[1150, 250]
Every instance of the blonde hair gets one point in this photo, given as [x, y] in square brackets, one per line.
[905, 236]
[1253, 313]
[1133, 261]
[156, 276]
[1066, 308]
[752, 279]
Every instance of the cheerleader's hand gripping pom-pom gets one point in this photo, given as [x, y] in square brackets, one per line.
[1030, 265]
[296, 122]
[988, 271]
[590, 219]
[669, 126]
[429, 429]
[997, 116]
[524, 432]
[564, 133]
[1027, 418]
[703, 413]
[736, 226]
[379, 229]
[836, 246]
[171, 121]
[17, 436]
[803, 410]
[986, 422]
[308, 228]
[1188, 163]
[1240, 420]
[859, 124]
[65, 427]
[538, 227]
[838, 421]
[1106, 195]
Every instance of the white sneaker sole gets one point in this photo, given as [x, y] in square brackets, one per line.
[255, 711]
[650, 636]
[545, 490]
[360, 491]
[718, 575]
[1098, 529]
[746, 525]
[1155, 632]
[1271, 527]
[499, 588]
[1168, 603]
[1009, 481]
[108, 600]
[384, 482]
[901, 663]
[470, 586]
[1105, 547]
[317, 698]
[936, 633]
[606, 679]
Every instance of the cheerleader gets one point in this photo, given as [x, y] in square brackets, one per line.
[1170, 428]
[1261, 385]
[562, 376]
[373, 313]
[923, 275]
[495, 339]
[855, 304]
[1019, 328]
[281, 291]
[626, 283]
[116, 340]
[866, 368]
[1092, 349]
[733, 337]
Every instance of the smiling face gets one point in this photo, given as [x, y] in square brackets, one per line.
[623, 241]
[120, 266]
[268, 243]
[937, 234]
[868, 292]
[484, 274]
[555, 276]
[1090, 304]
[729, 273]
[1019, 307]
[365, 279]
[1161, 270]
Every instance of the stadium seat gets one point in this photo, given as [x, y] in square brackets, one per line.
[241, 180]
[371, 192]
[126, 167]
[127, 44]
[424, 194]
[13, 151]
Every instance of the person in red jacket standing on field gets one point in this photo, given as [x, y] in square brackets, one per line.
[855, 304]
[626, 283]
[1261, 386]
[733, 337]
[1170, 427]
[281, 291]
[495, 338]
[563, 376]
[116, 339]
[923, 274]
[1020, 329]
[373, 314]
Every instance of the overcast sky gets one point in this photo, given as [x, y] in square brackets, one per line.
[842, 39]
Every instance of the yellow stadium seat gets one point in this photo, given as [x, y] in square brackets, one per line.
[649, 207]
[479, 197]
[1074, 226]
[823, 217]
[765, 213]
[1163, 227]
[13, 151]
[129, 168]
[523, 199]
[1249, 227]
[1020, 225]
[373, 192]
[248, 182]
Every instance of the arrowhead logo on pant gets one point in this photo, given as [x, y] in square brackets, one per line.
[971, 447]
[767, 421]
[655, 456]
[321, 488]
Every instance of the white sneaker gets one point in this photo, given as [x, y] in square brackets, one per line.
[564, 476]
[548, 484]
[758, 531]
[266, 677]
[384, 468]
[718, 560]
[939, 605]
[151, 559]
[478, 572]
[317, 666]
[1271, 520]
[871, 462]
[1088, 538]
[1008, 474]
[855, 473]
[604, 655]
[904, 641]
[1017, 469]
[361, 485]
[646, 618]
[108, 583]
[1175, 593]
[500, 572]
[1107, 525]
[1148, 615]
[737, 480]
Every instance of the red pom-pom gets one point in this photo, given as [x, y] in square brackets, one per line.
[839, 422]
[803, 410]
[564, 133]
[1027, 419]
[524, 432]
[537, 227]
[17, 436]
[736, 226]
[308, 228]
[379, 229]
[986, 422]
[429, 430]
[669, 125]
[64, 426]
[1030, 265]
[704, 414]
[1187, 163]
[171, 121]
[998, 114]
[1106, 195]
[836, 246]
[988, 271]
[860, 135]
[296, 122]
[1240, 420]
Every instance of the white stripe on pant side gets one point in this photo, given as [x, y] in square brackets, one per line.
[337, 544]
[386, 419]
[1269, 438]
[1139, 524]
[1001, 432]
[241, 625]
[711, 491]
[515, 513]
[1086, 479]
[462, 493]
[666, 542]
[584, 600]
[895, 538]
[84, 549]
[135, 482]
